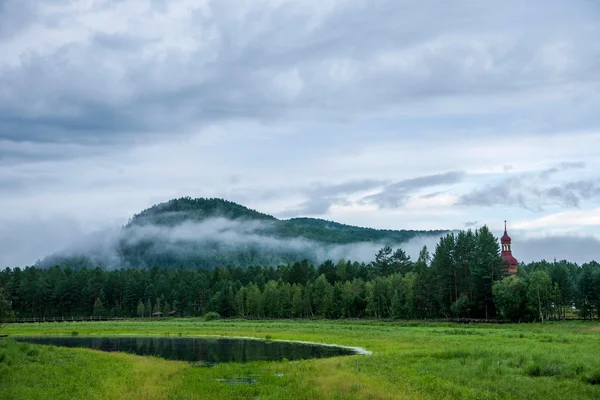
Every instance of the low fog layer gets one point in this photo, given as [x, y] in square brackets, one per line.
[215, 239]
[66, 238]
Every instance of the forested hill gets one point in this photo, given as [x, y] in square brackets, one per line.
[334, 232]
[215, 232]
[184, 210]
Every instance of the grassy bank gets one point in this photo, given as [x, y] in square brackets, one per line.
[409, 361]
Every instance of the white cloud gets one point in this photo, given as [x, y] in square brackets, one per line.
[572, 219]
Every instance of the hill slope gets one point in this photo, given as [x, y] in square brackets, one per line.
[210, 232]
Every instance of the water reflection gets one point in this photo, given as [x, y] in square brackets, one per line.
[209, 350]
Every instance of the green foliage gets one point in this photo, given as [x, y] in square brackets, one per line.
[186, 209]
[6, 312]
[540, 295]
[588, 285]
[211, 316]
[333, 232]
[141, 309]
[98, 307]
[460, 306]
[592, 377]
[510, 298]
[322, 297]
[389, 262]
[465, 267]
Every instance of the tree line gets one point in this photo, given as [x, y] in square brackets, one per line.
[464, 278]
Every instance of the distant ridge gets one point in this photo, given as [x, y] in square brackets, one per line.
[209, 232]
[185, 209]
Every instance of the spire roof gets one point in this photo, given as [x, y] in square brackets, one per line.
[505, 238]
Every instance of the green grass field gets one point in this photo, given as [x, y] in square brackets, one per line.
[409, 361]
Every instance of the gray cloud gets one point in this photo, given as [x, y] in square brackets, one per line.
[396, 194]
[535, 190]
[322, 197]
[274, 60]
[505, 192]
[16, 15]
[519, 192]
[433, 194]
[571, 194]
[564, 166]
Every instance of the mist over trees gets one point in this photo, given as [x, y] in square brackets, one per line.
[464, 277]
[215, 232]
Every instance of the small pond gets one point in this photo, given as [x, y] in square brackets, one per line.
[207, 350]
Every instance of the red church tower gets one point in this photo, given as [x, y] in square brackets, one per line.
[507, 256]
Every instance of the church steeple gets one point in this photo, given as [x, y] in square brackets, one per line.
[507, 256]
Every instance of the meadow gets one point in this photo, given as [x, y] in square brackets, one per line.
[409, 360]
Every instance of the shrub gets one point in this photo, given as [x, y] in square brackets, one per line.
[32, 352]
[211, 316]
[549, 369]
[593, 378]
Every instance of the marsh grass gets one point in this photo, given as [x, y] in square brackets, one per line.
[414, 360]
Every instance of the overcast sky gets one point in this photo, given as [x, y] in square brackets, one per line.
[397, 114]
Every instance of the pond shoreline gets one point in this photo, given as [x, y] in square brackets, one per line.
[195, 348]
[356, 349]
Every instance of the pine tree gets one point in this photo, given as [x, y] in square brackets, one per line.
[140, 309]
[383, 262]
[98, 307]
[158, 305]
[148, 307]
[271, 299]
[400, 262]
[397, 304]
[540, 294]
[254, 301]
[322, 296]
[443, 265]
[6, 313]
[488, 267]
[239, 301]
[297, 301]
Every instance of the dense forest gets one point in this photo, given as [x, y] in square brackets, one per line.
[214, 232]
[465, 277]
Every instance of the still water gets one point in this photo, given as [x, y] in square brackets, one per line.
[208, 350]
